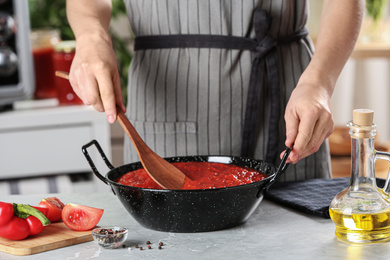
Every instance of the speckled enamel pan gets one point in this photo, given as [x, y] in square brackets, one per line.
[188, 211]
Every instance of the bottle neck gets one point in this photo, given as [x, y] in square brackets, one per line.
[362, 155]
[363, 162]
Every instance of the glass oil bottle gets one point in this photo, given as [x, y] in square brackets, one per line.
[361, 212]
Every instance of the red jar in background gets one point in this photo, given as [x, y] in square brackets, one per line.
[43, 41]
[62, 60]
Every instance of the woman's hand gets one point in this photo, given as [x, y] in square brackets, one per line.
[94, 75]
[308, 120]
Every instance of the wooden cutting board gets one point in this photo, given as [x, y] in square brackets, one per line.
[54, 236]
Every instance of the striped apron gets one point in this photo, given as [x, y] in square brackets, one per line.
[195, 88]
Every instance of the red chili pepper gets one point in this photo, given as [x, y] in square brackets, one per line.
[21, 221]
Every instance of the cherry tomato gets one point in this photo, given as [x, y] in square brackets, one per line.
[54, 206]
[81, 218]
[16, 229]
[6, 212]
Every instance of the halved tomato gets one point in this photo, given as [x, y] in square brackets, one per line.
[80, 217]
[54, 206]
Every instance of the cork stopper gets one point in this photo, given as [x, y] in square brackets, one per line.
[363, 117]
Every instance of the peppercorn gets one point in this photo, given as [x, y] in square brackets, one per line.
[159, 247]
[140, 248]
[147, 242]
[149, 247]
[161, 243]
[136, 246]
[111, 236]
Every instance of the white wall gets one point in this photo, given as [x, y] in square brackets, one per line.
[363, 83]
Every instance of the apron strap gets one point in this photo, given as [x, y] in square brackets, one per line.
[264, 68]
[171, 41]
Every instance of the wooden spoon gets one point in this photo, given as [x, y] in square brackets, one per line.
[161, 171]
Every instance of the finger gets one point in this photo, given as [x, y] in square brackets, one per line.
[118, 93]
[91, 93]
[323, 128]
[74, 83]
[85, 87]
[106, 88]
[305, 134]
[75, 86]
[292, 124]
[312, 145]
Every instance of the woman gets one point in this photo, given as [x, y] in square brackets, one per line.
[219, 77]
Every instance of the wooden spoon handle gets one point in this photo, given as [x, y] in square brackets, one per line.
[129, 129]
[123, 120]
[161, 171]
[172, 178]
[62, 74]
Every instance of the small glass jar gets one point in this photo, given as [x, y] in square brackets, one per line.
[110, 237]
[43, 42]
[62, 58]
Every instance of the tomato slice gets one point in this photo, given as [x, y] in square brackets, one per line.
[80, 217]
[54, 206]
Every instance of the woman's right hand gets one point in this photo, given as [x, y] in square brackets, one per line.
[94, 75]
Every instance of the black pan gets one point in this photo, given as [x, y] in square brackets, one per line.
[190, 210]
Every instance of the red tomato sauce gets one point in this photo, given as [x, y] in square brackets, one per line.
[203, 175]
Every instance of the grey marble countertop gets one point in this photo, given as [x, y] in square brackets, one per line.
[272, 232]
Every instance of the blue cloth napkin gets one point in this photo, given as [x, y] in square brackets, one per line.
[310, 196]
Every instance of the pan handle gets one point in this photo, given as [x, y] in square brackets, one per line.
[92, 164]
[281, 169]
[282, 166]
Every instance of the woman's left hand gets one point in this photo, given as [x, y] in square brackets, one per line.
[308, 120]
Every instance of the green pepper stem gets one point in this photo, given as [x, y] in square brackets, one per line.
[24, 211]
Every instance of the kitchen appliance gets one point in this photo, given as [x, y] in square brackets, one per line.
[190, 210]
[16, 66]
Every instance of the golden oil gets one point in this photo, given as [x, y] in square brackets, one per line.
[362, 227]
[361, 212]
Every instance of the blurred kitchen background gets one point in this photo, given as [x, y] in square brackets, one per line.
[43, 124]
